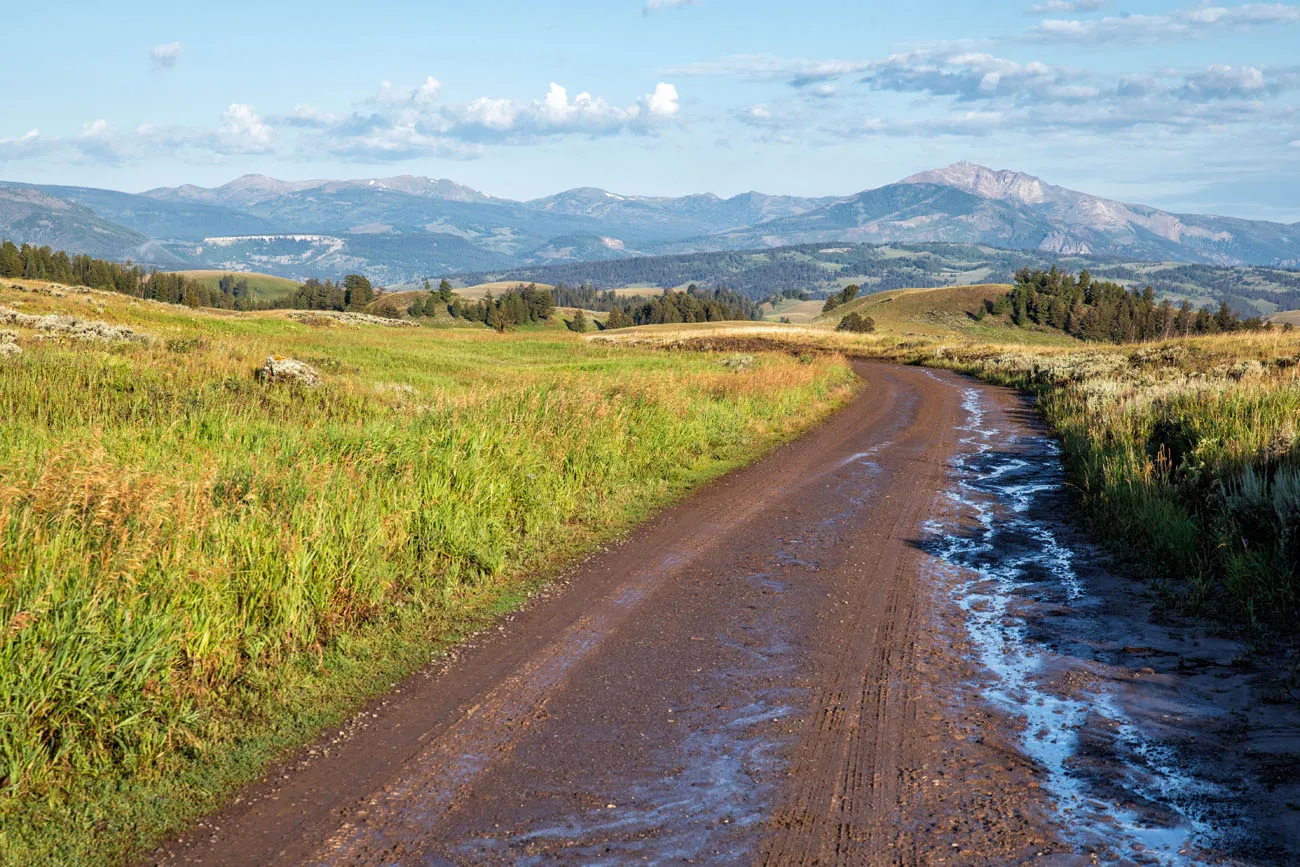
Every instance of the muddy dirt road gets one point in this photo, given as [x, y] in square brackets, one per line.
[880, 645]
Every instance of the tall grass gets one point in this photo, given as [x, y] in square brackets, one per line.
[1186, 452]
[177, 540]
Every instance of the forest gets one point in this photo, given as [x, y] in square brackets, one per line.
[1102, 311]
[42, 263]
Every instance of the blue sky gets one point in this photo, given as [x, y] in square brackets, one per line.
[1185, 105]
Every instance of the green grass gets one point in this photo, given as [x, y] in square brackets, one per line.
[1186, 453]
[265, 287]
[944, 312]
[198, 571]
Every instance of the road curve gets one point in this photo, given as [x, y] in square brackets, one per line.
[761, 674]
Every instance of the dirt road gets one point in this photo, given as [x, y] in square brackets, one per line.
[861, 650]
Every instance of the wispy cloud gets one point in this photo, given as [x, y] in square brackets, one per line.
[655, 5]
[1052, 6]
[1188, 23]
[166, 56]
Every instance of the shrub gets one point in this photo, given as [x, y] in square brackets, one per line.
[857, 324]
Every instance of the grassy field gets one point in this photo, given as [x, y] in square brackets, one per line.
[264, 286]
[480, 290]
[199, 570]
[1291, 317]
[1186, 453]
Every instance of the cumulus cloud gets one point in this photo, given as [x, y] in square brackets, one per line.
[243, 131]
[166, 56]
[404, 122]
[1188, 23]
[664, 102]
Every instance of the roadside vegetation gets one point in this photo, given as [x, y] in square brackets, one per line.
[1185, 450]
[199, 569]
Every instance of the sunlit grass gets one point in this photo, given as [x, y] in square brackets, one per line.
[186, 553]
[1186, 452]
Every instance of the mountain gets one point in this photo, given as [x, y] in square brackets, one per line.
[29, 215]
[251, 190]
[163, 220]
[972, 204]
[407, 227]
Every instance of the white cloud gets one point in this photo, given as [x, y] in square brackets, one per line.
[243, 131]
[663, 102]
[766, 67]
[653, 5]
[166, 56]
[1187, 23]
[1065, 6]
[22, 147]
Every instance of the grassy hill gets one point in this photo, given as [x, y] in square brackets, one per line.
[497, 287]
[1291, 317]
[946, 311]
[265, 287]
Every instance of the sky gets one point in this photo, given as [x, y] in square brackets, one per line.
[1193, 107]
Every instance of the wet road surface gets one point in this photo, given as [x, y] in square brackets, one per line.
[876, 646]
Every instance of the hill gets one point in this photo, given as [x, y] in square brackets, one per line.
[942, 312]
[265, 287]
[31, 216]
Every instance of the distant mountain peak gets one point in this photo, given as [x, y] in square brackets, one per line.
[987, 183]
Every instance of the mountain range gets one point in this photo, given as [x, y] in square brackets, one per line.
[402, 228]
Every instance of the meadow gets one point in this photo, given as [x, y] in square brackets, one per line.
[199, 570]
[1185, 453]
[263, 287]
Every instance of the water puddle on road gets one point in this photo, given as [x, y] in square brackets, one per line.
[1120, 792]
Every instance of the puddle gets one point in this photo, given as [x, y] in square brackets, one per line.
[1119, 791]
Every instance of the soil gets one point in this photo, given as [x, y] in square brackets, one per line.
[883, 644]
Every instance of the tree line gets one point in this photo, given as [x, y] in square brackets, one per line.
[518, 306]
[1101, 311]
[56, 266]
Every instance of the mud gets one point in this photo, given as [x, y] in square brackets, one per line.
[881, 645]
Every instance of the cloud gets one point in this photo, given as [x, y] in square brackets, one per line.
[664, 102]
[1065, 6]
[655, 5]
[22, 147]
[798, 73]
[403, 123]
[243, 131]
[1188, 23]
[166, 56]
[974, 76]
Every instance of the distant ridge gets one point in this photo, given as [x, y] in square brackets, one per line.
[405, 227]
